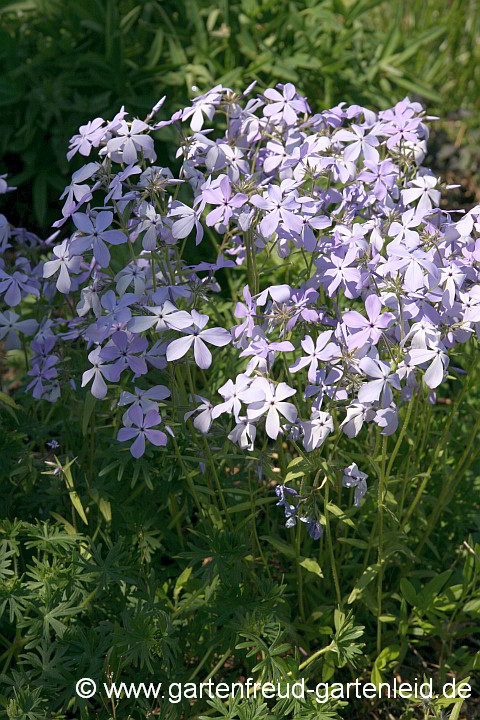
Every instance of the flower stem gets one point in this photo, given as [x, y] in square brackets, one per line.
[381, 495]
[440, 446]
[256, 541]
[400, 438]
[313, 657]
[330, 546]
[251, 265]
[299, 571]
[449, 488]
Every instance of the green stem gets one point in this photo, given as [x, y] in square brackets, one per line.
[449, 488]
[380, 501]
[211, 460]
[400, 438]
[200, 664]
[330, 546]
[254, 529]
[313, 657]
[251, 264]
[219, 665]
[298, 543]
[440, 446]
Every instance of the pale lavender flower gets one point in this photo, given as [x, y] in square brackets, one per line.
[316, 430]
[227, 203]
[130, 142]
[203, 105]
[301, 307]
[452, 278]
[4, 187]
[243, 434]
[278, 293]
[189, 218]
[162, 317]
[64, 263]
[203, 420]
[150, 224]
[95, 235]
[260, 348]
[387, 419]
[11, 325]
[379, 389]
[42, 372]
[245, 310]
[422, 189]
[155, 355]
[123, 352]
[99, 371]
[282, 492]
[371, 329]
[402, 128]
[360, 143]
[197, 337]
[279, 209]
[322, 351]
[285, 105]
[133, 273]
[357, 415]
[403, 232]
[142, 430]
[144, 399]
[315, 529]
[437, 354]
[343, 275]
[326, 384]
[16, 286]
[235, 393]
[414, 264]
[355, 478]
[272, 404]
[382, 175]
[115, 189]
[76, 191]
[90, 135]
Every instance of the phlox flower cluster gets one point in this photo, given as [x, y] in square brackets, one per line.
[382, 283]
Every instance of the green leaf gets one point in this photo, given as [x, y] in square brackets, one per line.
[293, 463]
[376, 676]
[408, 591]
[425, 39]
[365, 579]
[355, 542]
[312, 566]
[292, 475]
[103, 504]
[156, 50]
[181, 581]
[280, 545]
[68, 526]
[433, 588]
[339, 513]
[7, 400]
[88, 409]
[74, 496]
[472, 606]
[416, 87]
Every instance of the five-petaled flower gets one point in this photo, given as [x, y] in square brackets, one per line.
[142, 429]
[197, 336]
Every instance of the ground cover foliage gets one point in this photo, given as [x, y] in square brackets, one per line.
[317, 517]
[64, 62]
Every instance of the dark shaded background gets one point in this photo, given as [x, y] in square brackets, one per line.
[64, 62]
